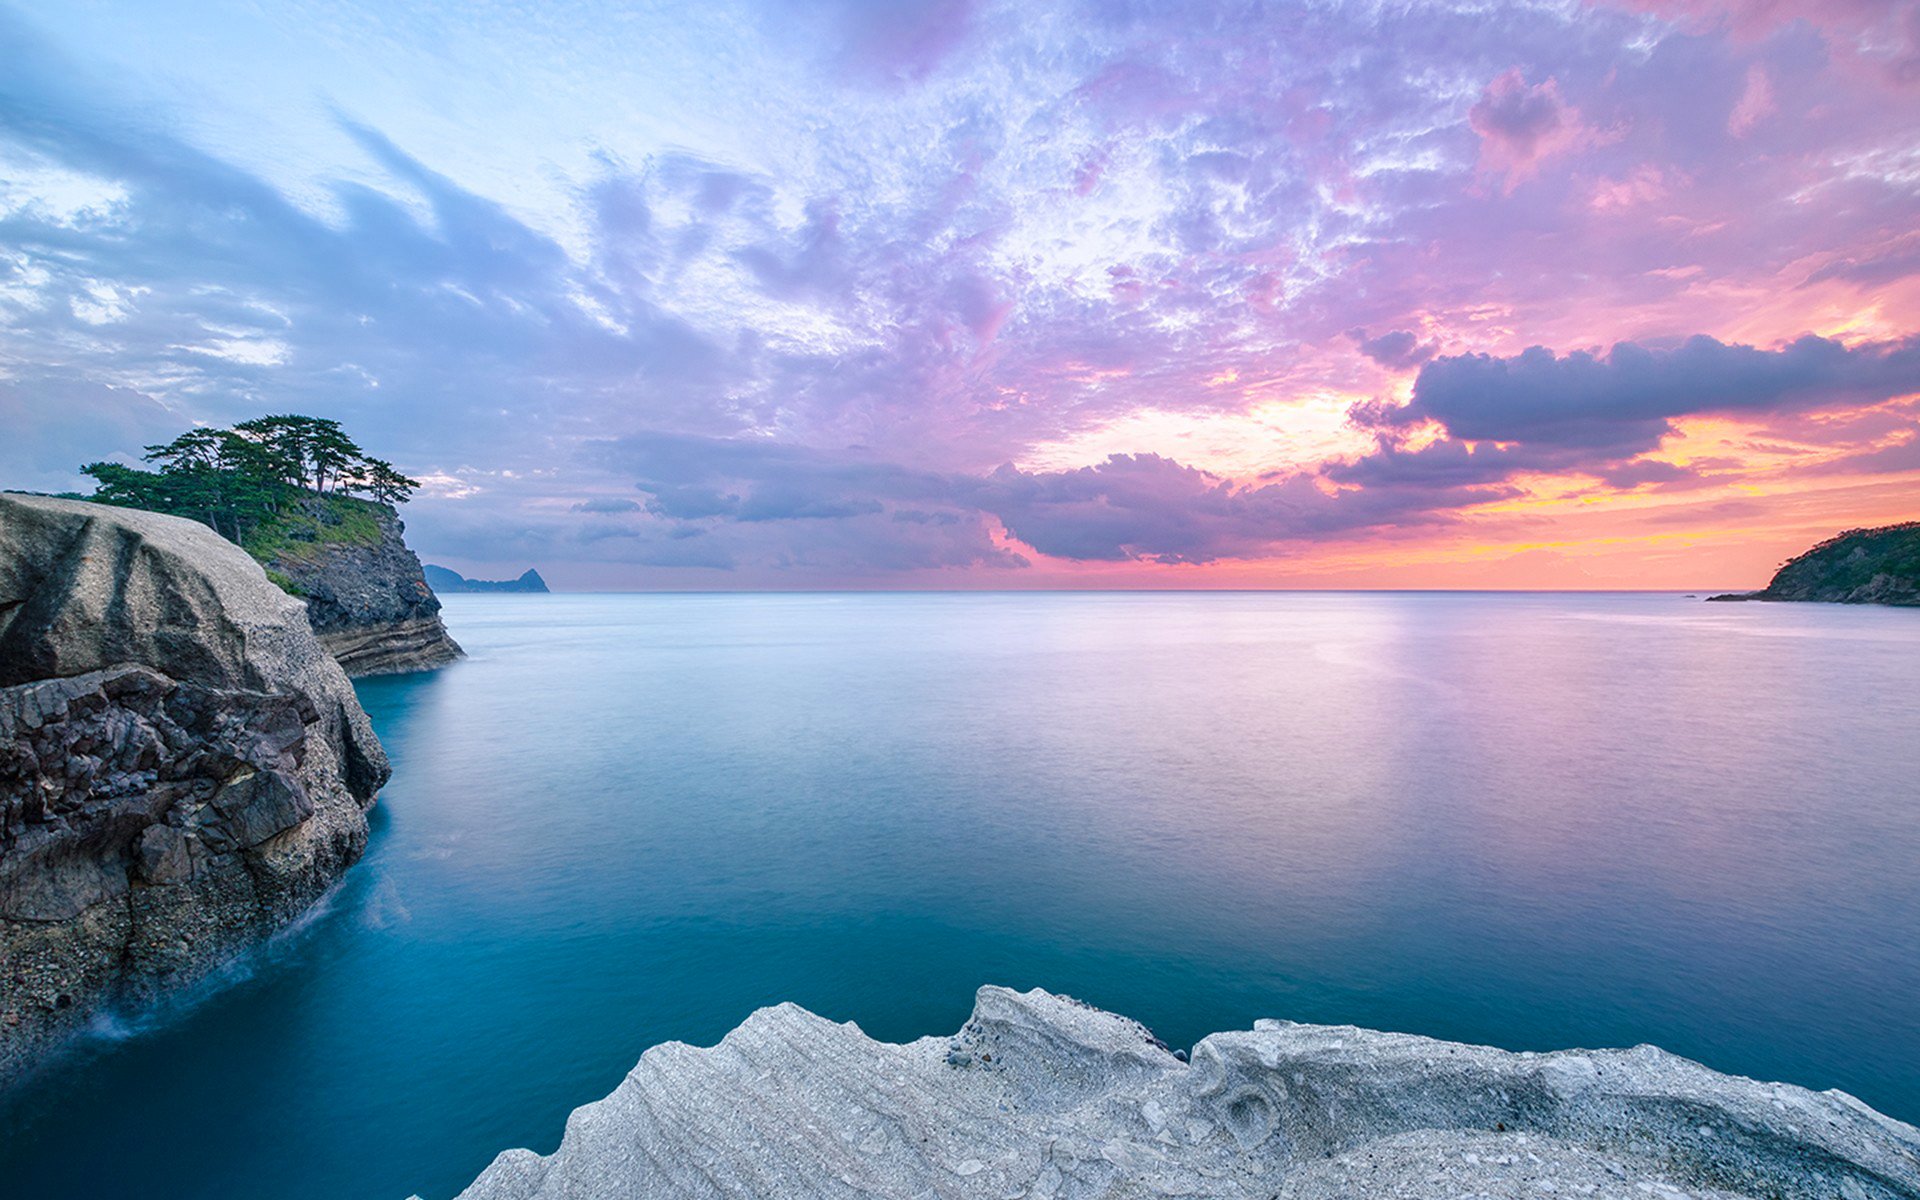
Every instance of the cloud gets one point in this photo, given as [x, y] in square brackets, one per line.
[1885, 37]
[1889, 458]
[1624, 402]
[1875, 264]
[774, 501]
[1522, 125]
[1756, 102]
[1396, 351]
[795, 336]
[1144, 507]
[1445, 464]
[896, 41]
[1127, 508]
[1643, 472]
[607, 504]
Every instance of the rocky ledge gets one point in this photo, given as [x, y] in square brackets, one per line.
[1041, 1096]
[183, 768]
[366, 594]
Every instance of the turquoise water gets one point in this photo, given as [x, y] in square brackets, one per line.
[1533, 821]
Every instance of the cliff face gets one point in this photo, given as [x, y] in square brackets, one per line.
[183, 768]
[1041, 1096]
[1861, 566]
[366, 595]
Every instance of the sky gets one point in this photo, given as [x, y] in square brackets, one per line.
[956, 294]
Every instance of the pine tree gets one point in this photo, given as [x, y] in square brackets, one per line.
[239, 480]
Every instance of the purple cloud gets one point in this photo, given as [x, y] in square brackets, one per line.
[1521, 124]
[1397, 351]
[1624, 401]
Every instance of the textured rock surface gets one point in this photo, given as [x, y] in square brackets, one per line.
[1860, 566]
[183, 768]
[369, 602]
[1041, 1096]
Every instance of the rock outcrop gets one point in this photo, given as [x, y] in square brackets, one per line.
[1041, 1096]
[366, 595]
[1860, 566]
[446, 580]
[183, 768]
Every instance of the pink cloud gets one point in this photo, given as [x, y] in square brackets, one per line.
[1756, 102]
[1522, 125]
[1882, 34]
[1645, 185]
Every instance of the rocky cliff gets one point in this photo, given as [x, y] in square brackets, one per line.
[1860, 566]
[183, 768]
[1040, 1096]
[366, 595]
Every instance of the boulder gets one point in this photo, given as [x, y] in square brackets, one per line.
[184, 769]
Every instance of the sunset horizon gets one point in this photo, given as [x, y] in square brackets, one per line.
[953, 295]
[881, 599]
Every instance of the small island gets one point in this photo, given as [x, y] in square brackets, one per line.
[1860, 566]
[444, 579]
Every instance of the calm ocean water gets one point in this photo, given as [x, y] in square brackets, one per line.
[1528, 820]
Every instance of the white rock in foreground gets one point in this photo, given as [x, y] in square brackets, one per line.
[1042, 1096]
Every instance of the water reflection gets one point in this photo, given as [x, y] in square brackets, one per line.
[1530, 821]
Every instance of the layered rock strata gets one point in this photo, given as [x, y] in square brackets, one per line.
[368, 600]
[183, 768]
[1041, 1096]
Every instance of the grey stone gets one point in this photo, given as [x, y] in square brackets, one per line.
[161, 855]
[183, 768]
[1082, 1103]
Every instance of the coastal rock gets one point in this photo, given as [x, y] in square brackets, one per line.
[183, 768]
[1041, 1096]
[1860, 566]
[367, 597]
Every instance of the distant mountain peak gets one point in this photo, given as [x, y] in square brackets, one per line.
[443, 579]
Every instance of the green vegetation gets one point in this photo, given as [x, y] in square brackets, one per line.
[1861, 564]
[243, 481]
[285, 584]
[298, 534]
[282, 487]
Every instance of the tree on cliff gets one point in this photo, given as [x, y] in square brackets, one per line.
[242, 479]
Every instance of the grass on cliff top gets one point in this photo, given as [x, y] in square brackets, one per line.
[300, 535]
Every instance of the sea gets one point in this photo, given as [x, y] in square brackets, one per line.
[1527, 820]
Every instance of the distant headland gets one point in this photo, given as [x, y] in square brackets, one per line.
[1860, 566]
[442, 579]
